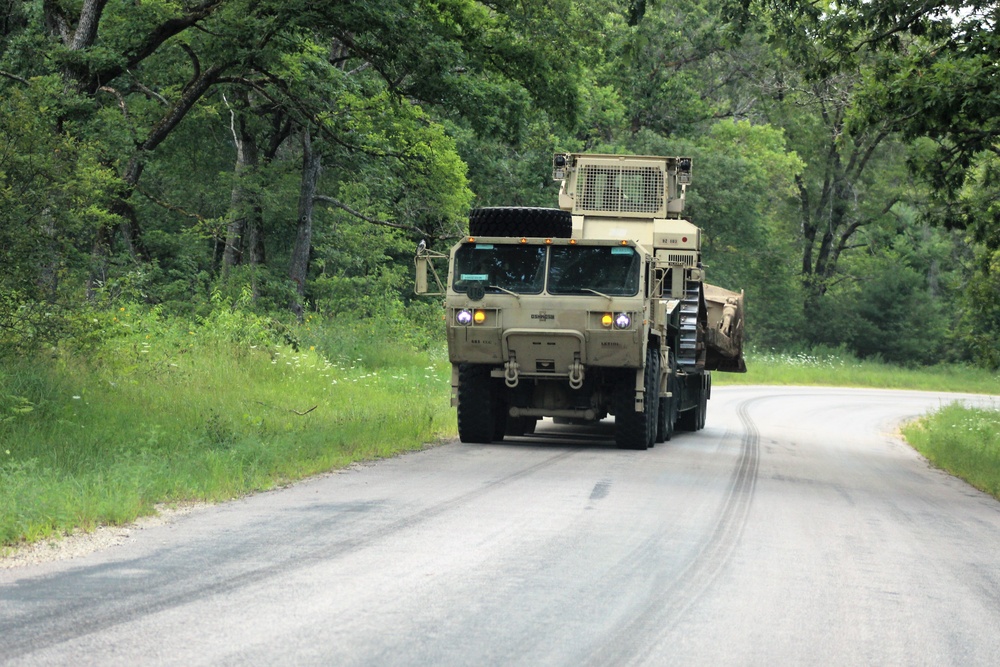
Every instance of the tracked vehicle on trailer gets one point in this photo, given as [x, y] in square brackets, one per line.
[597, 307]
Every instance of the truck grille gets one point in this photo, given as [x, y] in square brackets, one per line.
[615, 189]
[683, 260]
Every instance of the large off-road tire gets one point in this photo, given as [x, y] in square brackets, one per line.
[703, 406]
[637, 430]
[693, 419]
[521, 221]
[652, 382]
[476, 404]
[688, 420]
[668, 407]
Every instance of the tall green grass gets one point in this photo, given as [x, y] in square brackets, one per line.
[160, 412]
[839, 369]
[962, 440]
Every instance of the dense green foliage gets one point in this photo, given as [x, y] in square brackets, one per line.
[846, 171]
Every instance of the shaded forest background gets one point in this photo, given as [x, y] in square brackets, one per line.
[284, 157]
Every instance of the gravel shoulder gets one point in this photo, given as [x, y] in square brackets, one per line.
[80, 543]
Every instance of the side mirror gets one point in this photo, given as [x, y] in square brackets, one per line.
[424, 261]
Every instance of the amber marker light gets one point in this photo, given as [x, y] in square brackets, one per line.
[548, 241]
[606, 320]
[624, 242]
[479, 317]
[572, 241]
[472, 239]
[524, 240]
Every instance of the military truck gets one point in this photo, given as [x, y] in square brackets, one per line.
[597, 307]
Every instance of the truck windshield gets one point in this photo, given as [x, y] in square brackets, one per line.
[611, 270]
[518, 268]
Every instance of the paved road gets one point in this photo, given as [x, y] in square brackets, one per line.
[796, 529]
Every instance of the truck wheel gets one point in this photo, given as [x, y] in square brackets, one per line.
[664, 428]
[688, 420]
[694, 418]
[637, 430]
[476, 414]
[668, 407]
[652, 381]
[521, 221]
[665, 419]
[703, 404]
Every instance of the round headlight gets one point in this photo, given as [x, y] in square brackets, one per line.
[464, 317]
[622, 321]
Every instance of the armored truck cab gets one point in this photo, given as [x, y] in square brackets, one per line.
[598, 307]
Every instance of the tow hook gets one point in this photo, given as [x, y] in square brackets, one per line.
[576, 374]
[510, 372]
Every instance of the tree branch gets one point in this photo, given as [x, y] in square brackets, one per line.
[304, 412]
[124, 108]
[170, 207]
[360, 68]
[192, 93]
[362, 216]
[14, 77]
[148, 91]
[155, 39]
[195, 62]
[902, 25]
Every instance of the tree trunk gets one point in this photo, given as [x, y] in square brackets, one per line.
[299, 265]
[243, 237]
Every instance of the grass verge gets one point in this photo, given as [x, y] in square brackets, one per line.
[167, 413]
[835, 369]
[964, 441]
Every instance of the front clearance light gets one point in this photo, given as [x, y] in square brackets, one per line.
[607, 320]
[622, 321]
[464, 317]
[479, 316]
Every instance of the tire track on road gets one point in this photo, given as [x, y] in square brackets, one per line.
[638, 637]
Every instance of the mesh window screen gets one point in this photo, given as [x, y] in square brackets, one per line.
[619, 189]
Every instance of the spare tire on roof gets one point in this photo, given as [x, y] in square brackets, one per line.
[521, 221]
